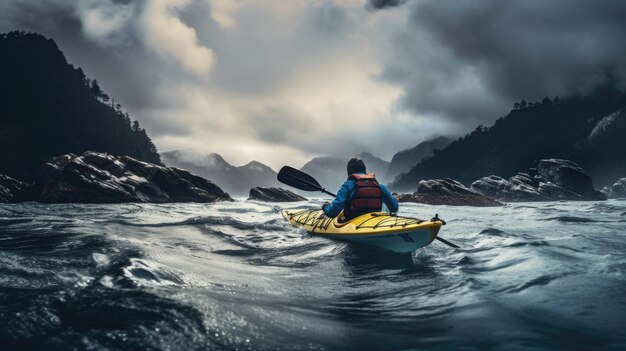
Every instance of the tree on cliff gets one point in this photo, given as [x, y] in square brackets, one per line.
[48, 108]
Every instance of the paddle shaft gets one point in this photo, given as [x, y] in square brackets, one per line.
[319, 188]
[447, 242]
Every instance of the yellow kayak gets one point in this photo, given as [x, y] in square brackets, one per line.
[394, 233]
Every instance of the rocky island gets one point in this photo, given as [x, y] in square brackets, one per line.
[274, 195]
[617, 190]
[552, 180]
[447, 192]
[95, 177]
[9, 187]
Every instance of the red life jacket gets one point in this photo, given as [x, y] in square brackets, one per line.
[367, 196]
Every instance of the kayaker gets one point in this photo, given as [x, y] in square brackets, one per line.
[360, 194]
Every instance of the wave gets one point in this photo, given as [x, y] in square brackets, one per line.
[13, 221]
[605, 207]
[529, 243]
[538, 281]
[271, 225]
[572, 219]
[493, 232]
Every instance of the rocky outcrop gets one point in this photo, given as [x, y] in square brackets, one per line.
[617, 190]
[552, 180]
[568, 175]
[274, 195]
[517, 188]
[94, 177]
[447, 192]
[9, 188]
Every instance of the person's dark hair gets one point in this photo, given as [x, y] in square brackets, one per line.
[356, 165]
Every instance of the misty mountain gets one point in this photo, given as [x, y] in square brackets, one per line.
[404, 160]
[49, 107]
[588, 130]
[331, 172]
[237, 181]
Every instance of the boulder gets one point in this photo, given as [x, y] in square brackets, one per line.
[9, 188]
[517, 188]
[570, 176]
[552, 180]
[94, 177]
[274, 195]
[447, 192]
[617, 190]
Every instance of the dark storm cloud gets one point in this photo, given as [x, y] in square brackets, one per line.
[381, 4]
[329, 19]
[266, 74]
[470, 60]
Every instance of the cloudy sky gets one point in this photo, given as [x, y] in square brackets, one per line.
[281, 81]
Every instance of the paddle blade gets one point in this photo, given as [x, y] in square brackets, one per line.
[298, 179]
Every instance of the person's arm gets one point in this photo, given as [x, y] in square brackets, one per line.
[334, 208]
[389, 199]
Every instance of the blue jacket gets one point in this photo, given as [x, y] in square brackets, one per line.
[346, 192]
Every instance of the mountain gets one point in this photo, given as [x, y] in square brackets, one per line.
[256, 174]
[405, 159]
[49, 108]
[587, 129]
[374, 165]
[236, 181]
[331, 172]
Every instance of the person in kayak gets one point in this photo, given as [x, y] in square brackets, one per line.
[360, 194]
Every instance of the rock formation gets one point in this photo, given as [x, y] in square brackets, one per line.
[552, 180]
[617, 190]
[9, 188]
[447, 192]
[94, 177]
[274, 195]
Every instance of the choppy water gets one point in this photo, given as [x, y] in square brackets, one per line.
[236, 276]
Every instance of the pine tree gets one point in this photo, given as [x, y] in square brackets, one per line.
[95, 88]
[523, 104]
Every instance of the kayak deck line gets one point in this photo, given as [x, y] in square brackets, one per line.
[318, 220]
[405, 221]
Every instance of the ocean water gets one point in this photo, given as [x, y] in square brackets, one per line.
[235, 276]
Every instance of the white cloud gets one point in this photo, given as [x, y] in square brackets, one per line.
[168, 36]
[222, 12]
[104, 20]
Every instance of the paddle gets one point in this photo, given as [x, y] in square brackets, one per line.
[303, 181]
[300, 180]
